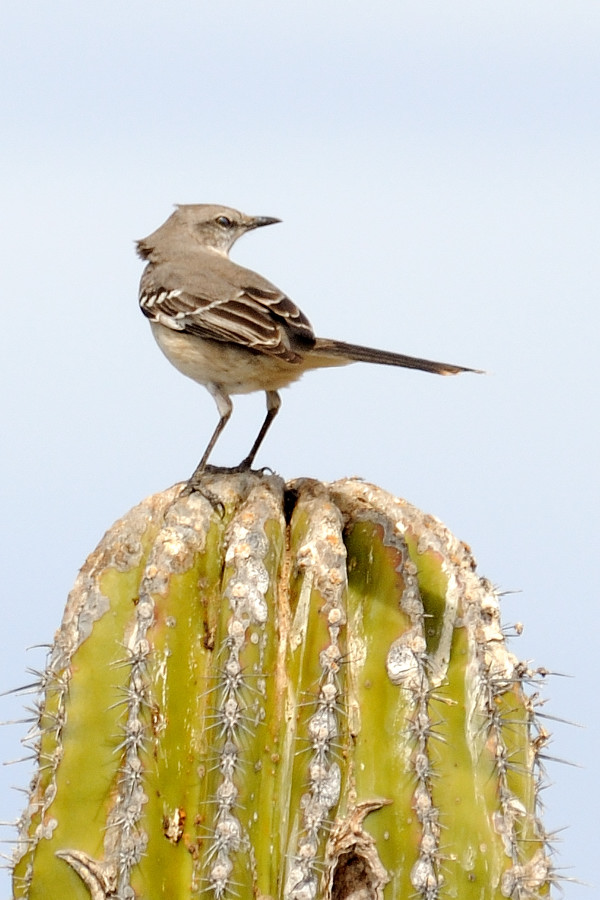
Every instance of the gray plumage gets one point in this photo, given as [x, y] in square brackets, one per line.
[229, 328]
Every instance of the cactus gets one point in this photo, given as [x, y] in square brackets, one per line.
[287, 692]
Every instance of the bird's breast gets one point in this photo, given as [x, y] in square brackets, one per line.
[236, 369]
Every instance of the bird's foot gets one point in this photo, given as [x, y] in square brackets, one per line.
[197, 482]
[240, 469]
[194, 487]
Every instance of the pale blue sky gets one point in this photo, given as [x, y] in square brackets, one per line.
[436, 168]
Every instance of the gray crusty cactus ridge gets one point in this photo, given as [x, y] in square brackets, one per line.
[290, 692]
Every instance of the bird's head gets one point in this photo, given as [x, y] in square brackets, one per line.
[202, 225]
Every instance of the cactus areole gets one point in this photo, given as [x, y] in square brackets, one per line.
[293, 692]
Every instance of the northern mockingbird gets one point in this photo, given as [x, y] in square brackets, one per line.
[229, 328]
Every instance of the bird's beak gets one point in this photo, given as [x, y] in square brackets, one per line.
[259, 221]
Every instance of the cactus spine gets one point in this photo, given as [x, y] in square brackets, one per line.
[281, 692]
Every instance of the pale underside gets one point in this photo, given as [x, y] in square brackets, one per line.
[233, 368]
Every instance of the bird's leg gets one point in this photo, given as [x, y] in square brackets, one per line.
[273, 404]
[225, 407]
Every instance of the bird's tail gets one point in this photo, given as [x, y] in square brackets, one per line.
[343, 352]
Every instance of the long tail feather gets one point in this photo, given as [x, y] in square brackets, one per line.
[356, 353]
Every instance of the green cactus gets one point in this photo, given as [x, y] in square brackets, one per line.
[290, 692]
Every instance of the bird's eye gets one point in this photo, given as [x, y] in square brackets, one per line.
[224, 222]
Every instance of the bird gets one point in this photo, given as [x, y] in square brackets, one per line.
[229, 328]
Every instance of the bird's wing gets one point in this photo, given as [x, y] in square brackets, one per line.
[248, 310]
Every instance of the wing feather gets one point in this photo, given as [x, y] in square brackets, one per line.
[253, 315]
